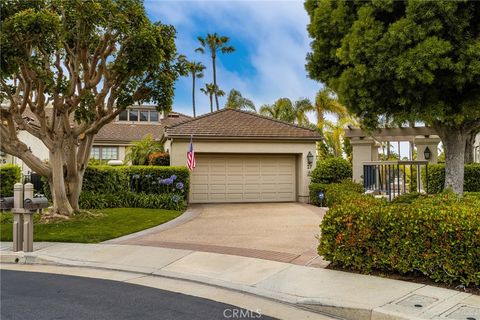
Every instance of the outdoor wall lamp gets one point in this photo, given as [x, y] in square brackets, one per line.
[427, 153]
[309, 159]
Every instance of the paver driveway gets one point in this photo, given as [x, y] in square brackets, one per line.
[276, 231]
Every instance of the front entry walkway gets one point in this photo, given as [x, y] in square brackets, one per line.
[283, 232]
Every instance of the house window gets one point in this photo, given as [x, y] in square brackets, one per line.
[133, 115]
[104, 153]
[123, 116]
[153, 116]
[95, 153]
[109, 153]
[144, 115]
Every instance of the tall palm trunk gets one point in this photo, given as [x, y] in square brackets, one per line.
[215, 80]
[211, 102]
[193, 93]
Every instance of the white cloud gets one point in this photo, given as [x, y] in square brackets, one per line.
[273, 33]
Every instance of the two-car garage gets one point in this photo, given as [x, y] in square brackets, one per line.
[244, 157]
[243, 178]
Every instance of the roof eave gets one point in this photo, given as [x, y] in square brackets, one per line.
[216, 137]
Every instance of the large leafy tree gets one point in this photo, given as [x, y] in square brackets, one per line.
[214, 43]
[70, 67]
[235, 100]
[404, 59]
[196, 71]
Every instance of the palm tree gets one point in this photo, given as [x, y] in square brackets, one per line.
[210, 90]
[196, 70]
[214, 42]
[326, 103]
[283, 109]
[235, 100]
[334, 134]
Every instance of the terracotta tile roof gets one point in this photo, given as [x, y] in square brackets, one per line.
[232, 123]
[132, 131]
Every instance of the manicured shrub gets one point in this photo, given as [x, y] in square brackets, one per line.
[105, 179]
[156, 179]
[436, 235]
[436, 177]
[133, 186]
[408, 197]
[9, 175]
[159, 159]
[334, 192]
[92, 200]
[332, 170]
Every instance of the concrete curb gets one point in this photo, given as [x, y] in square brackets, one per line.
[273, 285]
[316, 306]
[191, 213]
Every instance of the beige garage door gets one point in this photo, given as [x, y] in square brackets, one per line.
[243, 178]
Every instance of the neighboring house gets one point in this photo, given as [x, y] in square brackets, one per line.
[112, 140]
[476, 149]
[244, 157]
[131, 125]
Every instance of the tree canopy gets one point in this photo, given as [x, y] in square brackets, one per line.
[69, 68]
[407, 60]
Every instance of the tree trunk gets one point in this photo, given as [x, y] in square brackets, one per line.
[211, 102]
[75, 188]
[193, 94]
[61, 203]
[454, 141]
[215, 81]
[469, 147]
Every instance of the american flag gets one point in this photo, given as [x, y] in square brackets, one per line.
[191, 156]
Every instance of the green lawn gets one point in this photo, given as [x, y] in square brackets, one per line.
[107, 224]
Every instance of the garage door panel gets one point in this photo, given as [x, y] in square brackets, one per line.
[243, 178]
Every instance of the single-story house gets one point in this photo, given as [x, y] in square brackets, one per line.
[244, 157]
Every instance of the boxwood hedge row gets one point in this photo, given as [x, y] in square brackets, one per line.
[9, 175]
[133, 186]
[436, 235]
[436, 177]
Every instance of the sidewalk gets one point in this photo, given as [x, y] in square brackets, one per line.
[346, 295]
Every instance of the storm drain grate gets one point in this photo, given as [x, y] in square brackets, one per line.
[465, 313]
[417, 301]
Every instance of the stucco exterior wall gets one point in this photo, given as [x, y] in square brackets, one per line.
[37, 146]
[178, 154]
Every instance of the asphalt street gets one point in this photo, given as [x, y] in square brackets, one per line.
[32, 296]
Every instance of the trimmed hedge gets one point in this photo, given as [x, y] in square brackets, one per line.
[436, 235]
[9, 175]
[436, 177]
[133, 186]
[334, 192]
[332, 170]
[159, 159]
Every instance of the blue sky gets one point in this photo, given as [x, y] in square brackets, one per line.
[271, 43]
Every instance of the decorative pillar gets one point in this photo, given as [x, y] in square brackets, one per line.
[17, 217]
[422, 143]
[28, 221]
[363, 149]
